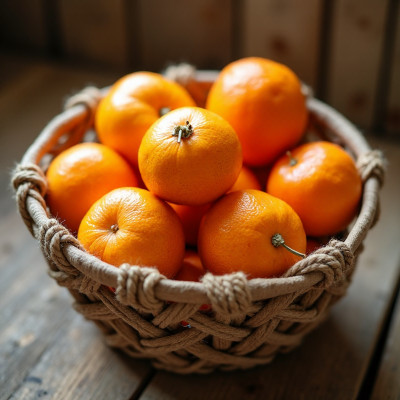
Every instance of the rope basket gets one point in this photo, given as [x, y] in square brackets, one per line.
[250, 321]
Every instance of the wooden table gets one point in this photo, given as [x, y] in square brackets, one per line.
[47, 350]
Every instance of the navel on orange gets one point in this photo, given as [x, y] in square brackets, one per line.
[79, 176]
[190, 156]
[247, 231]
[132, 105]
[131, 225]
[263, 102]
[321, 182]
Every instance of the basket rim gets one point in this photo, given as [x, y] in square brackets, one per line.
[195, 292]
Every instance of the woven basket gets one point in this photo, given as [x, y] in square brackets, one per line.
[250, 320]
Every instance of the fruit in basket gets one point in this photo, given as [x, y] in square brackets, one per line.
[190, 156]
[192, 268]
[263, 102]
[190, 217]
[131, 225]
[82, 174]
[321, 182]
[133, 103]
[250, 231]
[246, 180]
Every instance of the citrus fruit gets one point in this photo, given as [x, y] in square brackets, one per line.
[321, 182]
[82, 174]
[132, 105]
[190, 156]
[246, 180]
[248, 231]
[263, 102]
[192, 269]
[131, 225]
[190, 217]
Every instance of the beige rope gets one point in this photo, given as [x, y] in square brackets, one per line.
[229, 294]
[136, 288]
[371, 164]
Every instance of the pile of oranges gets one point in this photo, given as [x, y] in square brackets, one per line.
[231, 186]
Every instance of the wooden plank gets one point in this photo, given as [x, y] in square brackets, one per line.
[393, 109]
[356, 50]
[22, 24]
[286, 31]
[94, 31]
[332, 361]
[173, 31]
[387, 385]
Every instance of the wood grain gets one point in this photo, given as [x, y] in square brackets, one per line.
[198, 32]
[393, 109]
[95, 31]
[356, 50]
[286, 31]
[387, 385]
[23, 25]
[332, 361]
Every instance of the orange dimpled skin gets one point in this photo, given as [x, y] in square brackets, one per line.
[132, 105]
[81, 175]
[263, 102]
[130, 225]
[190, 156]
[246, 180]
[237, 233]
[321, 182]
[190, 217]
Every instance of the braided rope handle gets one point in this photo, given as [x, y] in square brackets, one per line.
[146, 288]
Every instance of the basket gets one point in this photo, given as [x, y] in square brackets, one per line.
[250, 321]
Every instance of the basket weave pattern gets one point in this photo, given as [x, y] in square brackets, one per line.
[250, 321]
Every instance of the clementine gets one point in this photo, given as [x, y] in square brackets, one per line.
[192, 269]
[190, 156]
[190, 217]
[263, 102]
[131, 225]
[321, 182]
[251, 231]
[246, 180]
[82, 174]
[132, 105]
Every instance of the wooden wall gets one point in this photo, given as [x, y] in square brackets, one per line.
[347, 50]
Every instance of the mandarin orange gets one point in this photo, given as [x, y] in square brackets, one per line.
[321, 182]
[79, 176]
[247, 231]
[246, 180]
[190, 156]
[132, 105]
[131, 225]
[264, 103]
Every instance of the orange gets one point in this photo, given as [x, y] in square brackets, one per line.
[192, 269]
[190, 217]
[321, 182]
[190, 156]
[79, 176]
[263, 102]
[246, 180]
[240, 233]
[132, 105]
[130, 225]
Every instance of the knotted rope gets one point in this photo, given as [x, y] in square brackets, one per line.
[334, 261]
[370, 164]
[136, 287]
[229, 294]
[28, 180]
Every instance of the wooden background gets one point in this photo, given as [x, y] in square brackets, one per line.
[347, 50]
